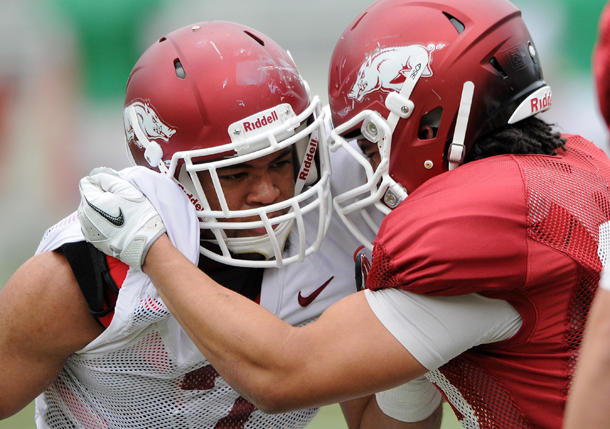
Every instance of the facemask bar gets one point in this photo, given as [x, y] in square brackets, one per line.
[379, 186]
[378, 181]
[315, 197]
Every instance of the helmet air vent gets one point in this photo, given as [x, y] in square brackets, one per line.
[162, 39]
[260, 42]
[179, 70]
[496, 65]
[457, 24]
[358, 21]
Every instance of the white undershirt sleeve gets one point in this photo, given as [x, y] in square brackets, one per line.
[604, 281]
[436, 329]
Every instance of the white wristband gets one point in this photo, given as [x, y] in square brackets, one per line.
[412, 402]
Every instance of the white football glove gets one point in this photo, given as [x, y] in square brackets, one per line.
[117, 218]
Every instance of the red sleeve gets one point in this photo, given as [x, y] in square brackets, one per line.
[457, 233]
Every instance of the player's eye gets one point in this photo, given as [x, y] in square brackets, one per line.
[232, 176]
[282, 163]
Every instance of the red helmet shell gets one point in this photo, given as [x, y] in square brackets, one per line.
[485, 42]
[195, 82]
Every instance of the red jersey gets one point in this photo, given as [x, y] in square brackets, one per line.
[522, 228]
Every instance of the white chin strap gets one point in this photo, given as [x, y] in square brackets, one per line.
[457, 149]
[262, 244]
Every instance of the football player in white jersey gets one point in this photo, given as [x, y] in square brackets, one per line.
[221, 112]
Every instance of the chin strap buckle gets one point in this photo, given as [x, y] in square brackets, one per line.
[457, 149]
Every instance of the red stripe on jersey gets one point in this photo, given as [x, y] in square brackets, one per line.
[118, 272]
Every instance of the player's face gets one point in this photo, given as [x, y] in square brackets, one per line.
[370, 151]
[253, 184]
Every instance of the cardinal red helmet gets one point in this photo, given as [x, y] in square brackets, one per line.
[462, 67]
[217, 94]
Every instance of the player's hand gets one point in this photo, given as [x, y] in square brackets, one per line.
[117, 218]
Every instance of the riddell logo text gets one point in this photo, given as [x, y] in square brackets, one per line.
[313, 145]
[260, 122]
[541, 103]
[191, 197]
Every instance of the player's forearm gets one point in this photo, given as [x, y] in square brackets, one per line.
[274, 365]
[242, 349]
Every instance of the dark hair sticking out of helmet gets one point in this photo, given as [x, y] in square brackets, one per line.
[527, 137]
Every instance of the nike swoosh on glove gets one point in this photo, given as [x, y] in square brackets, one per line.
[117, 218]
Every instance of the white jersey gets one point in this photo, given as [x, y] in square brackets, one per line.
[143, 371]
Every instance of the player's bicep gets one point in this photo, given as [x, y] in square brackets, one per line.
[43, 318]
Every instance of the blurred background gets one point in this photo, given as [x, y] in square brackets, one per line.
[64, 65]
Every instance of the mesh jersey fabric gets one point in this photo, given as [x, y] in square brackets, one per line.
[143, 371]
[520, 228]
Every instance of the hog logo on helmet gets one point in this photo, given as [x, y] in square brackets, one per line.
[148, 121]
[385, 69]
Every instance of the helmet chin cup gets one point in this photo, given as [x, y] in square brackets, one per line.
[269, 246]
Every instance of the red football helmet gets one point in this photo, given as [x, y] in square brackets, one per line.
[217, 94]
[463, 68]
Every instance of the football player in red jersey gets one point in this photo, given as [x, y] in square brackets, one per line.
[220, 110]
[485, 266]
[587, 404]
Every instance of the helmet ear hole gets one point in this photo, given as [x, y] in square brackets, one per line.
[429, 124]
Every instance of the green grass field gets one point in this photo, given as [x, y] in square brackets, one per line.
[328, 418]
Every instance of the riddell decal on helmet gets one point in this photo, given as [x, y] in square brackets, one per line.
[386, 69]
[260, 122]
[537, 102]
[149, 122]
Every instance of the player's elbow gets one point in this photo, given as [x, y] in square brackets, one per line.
[274, 398]
[6, 410]
[274, 403]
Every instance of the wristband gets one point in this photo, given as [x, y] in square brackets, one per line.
[412, 402]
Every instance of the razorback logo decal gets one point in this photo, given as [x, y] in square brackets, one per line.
[149, 121]
[386, 69]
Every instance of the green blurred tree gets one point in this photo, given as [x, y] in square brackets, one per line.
[578, 29]
[108, 36]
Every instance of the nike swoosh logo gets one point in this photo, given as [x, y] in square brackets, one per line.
[115, 220]
[304, 301]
